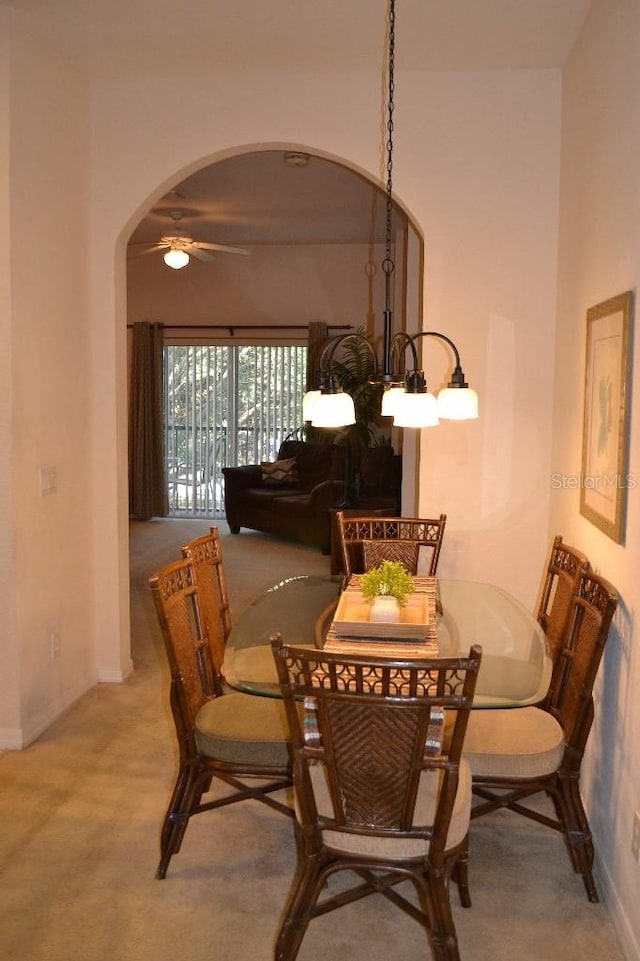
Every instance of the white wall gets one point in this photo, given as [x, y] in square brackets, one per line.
[599, 258]
[279, 284]
[48, 551]
[477, 168]
[475, 165]
[9, 677]
[473, 276]
[487, 187]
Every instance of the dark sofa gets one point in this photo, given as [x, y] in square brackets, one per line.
[295, 507]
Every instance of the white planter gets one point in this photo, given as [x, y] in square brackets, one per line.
[385, 608]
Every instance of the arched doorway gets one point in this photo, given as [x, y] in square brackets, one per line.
[314, 229]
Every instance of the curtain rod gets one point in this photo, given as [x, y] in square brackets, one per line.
[232, 327]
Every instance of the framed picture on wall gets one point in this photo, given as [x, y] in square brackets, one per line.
[604, 481]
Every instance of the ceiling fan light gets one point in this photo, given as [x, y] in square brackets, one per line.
[176, 258]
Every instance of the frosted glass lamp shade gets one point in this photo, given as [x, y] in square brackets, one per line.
[176, 258]
[308, 403]
[416, 410]
[391, 400]
[458, 403]
[333, 410]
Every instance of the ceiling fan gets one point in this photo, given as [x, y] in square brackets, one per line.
[179, 245]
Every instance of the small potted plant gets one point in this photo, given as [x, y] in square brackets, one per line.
[386, 587]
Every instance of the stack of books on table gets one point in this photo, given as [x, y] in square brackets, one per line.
[413, 635]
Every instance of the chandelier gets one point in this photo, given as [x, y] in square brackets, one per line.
[405, 396]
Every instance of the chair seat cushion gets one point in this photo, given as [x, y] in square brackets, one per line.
[513, 743]
[240, 728]
[399, 848]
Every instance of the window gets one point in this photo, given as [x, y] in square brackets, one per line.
[225, 406]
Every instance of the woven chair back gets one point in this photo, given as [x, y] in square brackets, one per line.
[175, 597]
[593, 609]
[205, 555]
[376, 726]
[562, 574]
[564, 567]
[366, 541]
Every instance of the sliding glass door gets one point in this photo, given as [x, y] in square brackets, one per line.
[225, 406]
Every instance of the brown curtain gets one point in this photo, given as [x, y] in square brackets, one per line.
[147, 481]
[318, 339]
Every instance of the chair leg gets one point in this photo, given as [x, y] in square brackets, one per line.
[172, 828]
[461, 875]
[577, 832]
[185, 799]
[434, 897]
[304, 892]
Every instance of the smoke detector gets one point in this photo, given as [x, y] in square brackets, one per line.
[296, 159]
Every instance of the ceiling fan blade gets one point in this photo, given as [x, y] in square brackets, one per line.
[223, 248]
[194, 251]
[137, 250]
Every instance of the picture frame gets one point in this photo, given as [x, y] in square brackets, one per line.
[605, 441]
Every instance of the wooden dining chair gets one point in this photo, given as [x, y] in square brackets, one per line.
[205, 555]
[231, 737]
[519, 753]
[376, 792]
[562, 573]
[366, 541]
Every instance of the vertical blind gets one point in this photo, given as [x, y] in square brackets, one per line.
[225, 406]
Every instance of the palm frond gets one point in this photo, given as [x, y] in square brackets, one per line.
[353, 367]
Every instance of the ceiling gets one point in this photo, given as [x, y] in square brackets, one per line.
[255, 198]
[165, 36]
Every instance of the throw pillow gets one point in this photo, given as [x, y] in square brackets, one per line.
[279, 472]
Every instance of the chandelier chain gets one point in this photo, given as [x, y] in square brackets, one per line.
[405, 396]
[388, 265]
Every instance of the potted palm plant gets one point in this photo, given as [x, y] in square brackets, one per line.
[353, 368]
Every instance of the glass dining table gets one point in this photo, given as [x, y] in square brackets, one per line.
[515, 669]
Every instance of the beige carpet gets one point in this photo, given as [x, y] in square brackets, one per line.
[81, 809]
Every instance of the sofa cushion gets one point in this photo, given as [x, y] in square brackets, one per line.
[264, 497]
[314, 462]
[292, 504]
[279, 472]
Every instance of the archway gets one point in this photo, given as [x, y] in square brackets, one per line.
[315, 219]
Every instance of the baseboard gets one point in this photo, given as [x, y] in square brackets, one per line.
[16, 739]
[11, 739]
[110, 675]
[620, 920]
